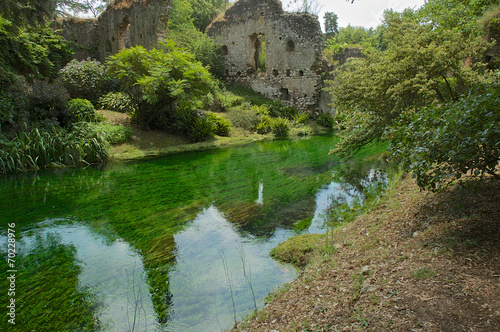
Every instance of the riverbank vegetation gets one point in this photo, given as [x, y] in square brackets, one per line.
[426, 84]
[416, 259]
[424, 88]
[48, 105]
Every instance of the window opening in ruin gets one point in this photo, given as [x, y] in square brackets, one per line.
[124, 34]
[258, 60]
[301, 73]
[284, 94]
[109, 48]
[224, 50]
[275, 72]
[288, 72]
[290, 46]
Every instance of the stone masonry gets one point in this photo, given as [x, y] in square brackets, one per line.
[276, 53]
[124, 23]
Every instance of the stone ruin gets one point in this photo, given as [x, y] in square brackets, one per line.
[273, 52]
[124, 23]
[276, 53]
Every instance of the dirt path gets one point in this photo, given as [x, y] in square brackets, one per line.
[419, 262]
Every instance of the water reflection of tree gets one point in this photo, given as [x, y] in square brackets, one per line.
[47, 291]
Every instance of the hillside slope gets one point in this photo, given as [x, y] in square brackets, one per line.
[419, 261]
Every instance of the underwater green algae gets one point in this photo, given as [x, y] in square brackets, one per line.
[253, 196]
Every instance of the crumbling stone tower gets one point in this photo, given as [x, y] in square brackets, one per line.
[276, 53]
[124, 23]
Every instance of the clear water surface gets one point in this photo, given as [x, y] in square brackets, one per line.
[179, 243]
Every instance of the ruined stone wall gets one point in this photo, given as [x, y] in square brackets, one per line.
[82, 35]
[127, 23]
[293, 47]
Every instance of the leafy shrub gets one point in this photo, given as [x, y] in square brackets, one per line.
[265, 125]
[48, 101]
[326, 120]
[116, 102]
[224, 100]
[301, 130]
[167, 86]
[244, 116]
[281, 127]
[81, 110]
[223, 126]
[301, 118]
[6, 108]
[278, 109]
[114, 134]
[86, 79]
[196, 125]
[30, 150]
[442, 143]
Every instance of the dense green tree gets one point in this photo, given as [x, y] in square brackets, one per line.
[22, 12]
[331, 23]
[182, 30]
[206, 11]
[421, 66]
[426, 93]
[443, 142]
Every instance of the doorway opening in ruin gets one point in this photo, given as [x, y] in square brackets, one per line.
[258, 53]
[124, 34]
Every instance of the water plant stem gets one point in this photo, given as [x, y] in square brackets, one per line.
[230, 283]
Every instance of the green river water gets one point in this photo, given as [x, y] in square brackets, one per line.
[167, 244]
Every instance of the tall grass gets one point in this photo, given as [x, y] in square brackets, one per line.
[36, 148]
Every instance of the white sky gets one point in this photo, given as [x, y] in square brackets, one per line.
[365, 13]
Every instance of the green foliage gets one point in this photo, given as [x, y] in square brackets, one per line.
[326, 120]
[114, 134]
[458, 16]
[47, 101]
[277, 109]
[85, 79]
[28, 12]
[281, 127]
[301, 118]
[265, 125]
[184, 33]
[81, 110]
[244, 116]
[205, 12]
[30, 150]
[196, 125]
[249, 95]
[442, 143]
[6, 108]
[357, 37]
[223, 100]
[297, 250]
[421, 66]
[423, 273]
[33, 52]
[167, 87]
[116, 102]
[223, 126]
[331, 23]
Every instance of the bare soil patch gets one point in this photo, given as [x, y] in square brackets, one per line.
[420, 261]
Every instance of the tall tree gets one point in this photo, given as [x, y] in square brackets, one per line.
[331, 22]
